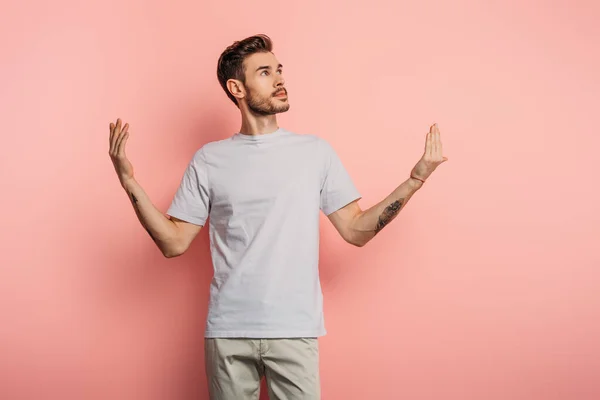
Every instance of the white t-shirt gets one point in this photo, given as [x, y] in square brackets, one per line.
[263, 195]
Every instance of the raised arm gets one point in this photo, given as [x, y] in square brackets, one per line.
[172, 236]
[358, 227]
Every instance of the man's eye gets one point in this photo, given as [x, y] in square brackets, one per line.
[264, 72]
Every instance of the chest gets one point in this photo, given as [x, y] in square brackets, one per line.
[262, 181]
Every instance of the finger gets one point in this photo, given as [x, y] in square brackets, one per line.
[433, 130]
[118, 135]
[111, 136]
[428, 144]
[116, 127]
[122, 143]
[439, 140]
[437, 145]
[120, 148]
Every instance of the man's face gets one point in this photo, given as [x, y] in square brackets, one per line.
[265, 90]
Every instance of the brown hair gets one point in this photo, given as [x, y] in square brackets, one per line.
[231, 61]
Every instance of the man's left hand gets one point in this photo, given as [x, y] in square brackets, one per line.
[432, 157]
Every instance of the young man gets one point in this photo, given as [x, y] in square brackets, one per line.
[263, 189]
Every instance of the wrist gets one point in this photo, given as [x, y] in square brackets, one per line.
[128, 184]
[415, 183]
[416, 178]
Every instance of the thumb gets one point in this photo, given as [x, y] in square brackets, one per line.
[444, 159]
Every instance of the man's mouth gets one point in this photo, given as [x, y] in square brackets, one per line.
[281, 93]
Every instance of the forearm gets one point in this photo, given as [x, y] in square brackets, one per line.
[161, 229]
[370, 222]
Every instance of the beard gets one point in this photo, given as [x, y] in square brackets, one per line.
[265, 105]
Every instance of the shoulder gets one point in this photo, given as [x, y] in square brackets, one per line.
[324, 146]
[309, 137]
[216, 145]
[213, 149]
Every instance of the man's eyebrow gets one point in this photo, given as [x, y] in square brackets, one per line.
[268, 67]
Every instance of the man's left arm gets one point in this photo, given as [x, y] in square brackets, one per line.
[358, 227]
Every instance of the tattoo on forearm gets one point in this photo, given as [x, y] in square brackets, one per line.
[134, 201]
[388, 214]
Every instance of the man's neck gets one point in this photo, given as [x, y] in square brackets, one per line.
[258, 124]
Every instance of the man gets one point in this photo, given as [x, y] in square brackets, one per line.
[263, 189]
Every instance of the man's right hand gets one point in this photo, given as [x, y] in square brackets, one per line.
[118, 140]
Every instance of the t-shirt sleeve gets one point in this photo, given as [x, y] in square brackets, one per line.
[338, 189]
[191, 202]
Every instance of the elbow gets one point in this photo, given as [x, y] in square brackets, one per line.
[171, 254]
[359, 243]
[356, 240]
[172, 251]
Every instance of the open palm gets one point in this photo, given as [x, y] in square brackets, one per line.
[117, 141]
[432, 156]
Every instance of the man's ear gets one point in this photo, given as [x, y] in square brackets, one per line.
[236, 88]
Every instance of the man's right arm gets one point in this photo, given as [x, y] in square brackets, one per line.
[172, 235]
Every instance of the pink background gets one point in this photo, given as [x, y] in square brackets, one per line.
[487, 285]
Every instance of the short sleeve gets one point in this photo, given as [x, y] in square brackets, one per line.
[338, 189]
[191, 202]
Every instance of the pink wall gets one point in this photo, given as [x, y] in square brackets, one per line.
[486, 286]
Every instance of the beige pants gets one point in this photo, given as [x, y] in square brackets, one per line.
[235, 367]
